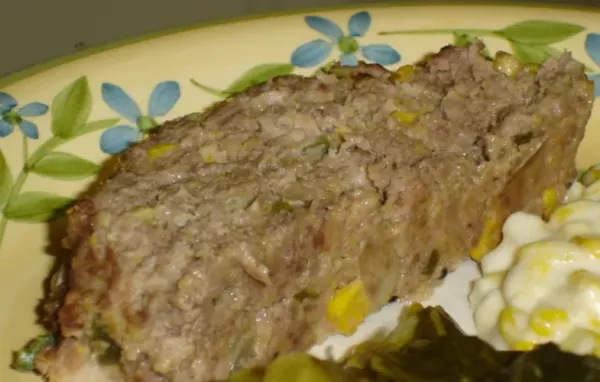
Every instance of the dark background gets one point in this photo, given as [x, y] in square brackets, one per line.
[34, 31]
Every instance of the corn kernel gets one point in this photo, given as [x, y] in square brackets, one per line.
[531, 68]
[589, 243]
[584, 279]
[541, 267]
[507, 63]
[404, 73]
[92, 240]
[550, 200]
[342, 132]
[408, 118]
[507, 322]
[211, 153]
[590, 176]
[577, 276]
[562, 213]
[537, 120]
[160, 150]
[544, 321]
[348, 307]
[595, 324]
[485, 242]
[81, 348]
[581, 341]
[508, 327]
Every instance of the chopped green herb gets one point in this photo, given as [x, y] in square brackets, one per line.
[280, 206]
[434, 259]
[522, 139]
[321, 141]
[306, 293]
[107, 349]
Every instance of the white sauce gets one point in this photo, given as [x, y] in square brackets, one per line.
[542, 283]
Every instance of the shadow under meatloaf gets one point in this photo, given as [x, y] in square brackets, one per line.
[192, 257]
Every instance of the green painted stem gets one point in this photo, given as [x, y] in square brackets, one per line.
[25, 149]
[44, 149]
[14, 191]
[479, 32]
[38, 154]
[208, 89]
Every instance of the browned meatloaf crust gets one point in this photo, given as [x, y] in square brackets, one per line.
[190, 256]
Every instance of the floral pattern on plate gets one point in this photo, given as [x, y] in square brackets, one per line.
[9, 117]
[70, 111]
[316, 51]
[162, 99]
[530, 40]
[592, 47]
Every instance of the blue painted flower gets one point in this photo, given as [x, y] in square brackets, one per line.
[9, 117]
[592, 47]
[116, 139]
[316, 51]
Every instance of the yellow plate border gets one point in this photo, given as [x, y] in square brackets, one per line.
[27, 72]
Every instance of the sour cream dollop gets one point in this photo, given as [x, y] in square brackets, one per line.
[542, 283]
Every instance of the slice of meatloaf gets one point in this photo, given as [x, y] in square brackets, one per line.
[221, 238]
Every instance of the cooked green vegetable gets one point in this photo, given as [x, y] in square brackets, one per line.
[322, 142]
[428, 346]
[24, 359]
[306, 293]
[281, 206]
[523, 139]
[105, 347]
[434, 259]
[296, 367]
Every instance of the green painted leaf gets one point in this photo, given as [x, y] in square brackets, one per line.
[254, 76]
[533, 54]
[6, 180]
[209, 90]
[539, 32]
[35, 206]
[71, 108]
[64, 166]
[90, 127]
[258, 75]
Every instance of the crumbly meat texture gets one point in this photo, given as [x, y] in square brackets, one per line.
[190, 256]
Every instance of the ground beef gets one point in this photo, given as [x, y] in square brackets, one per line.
[190, 257]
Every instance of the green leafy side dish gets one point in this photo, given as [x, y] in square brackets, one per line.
[428, 346]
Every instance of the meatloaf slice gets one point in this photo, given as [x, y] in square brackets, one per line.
[220, 240]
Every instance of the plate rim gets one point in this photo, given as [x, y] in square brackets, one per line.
[32, 70]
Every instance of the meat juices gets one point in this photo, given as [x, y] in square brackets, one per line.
[192, 256]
